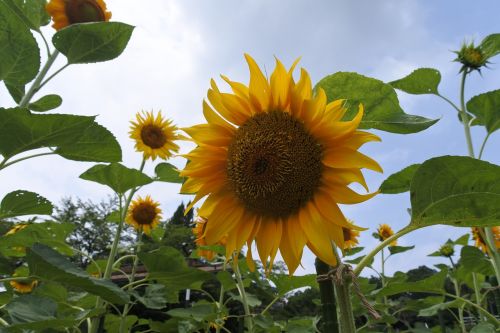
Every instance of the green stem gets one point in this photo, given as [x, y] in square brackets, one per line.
[460, 309]
[243, 295]
[367, 259]
[343, 297]
[328, 305]
[5, 164]
[483, 145]
[52, 76]
[491, 317]
[36, 84]
[477, 291]
[382, 276]
[464, 116]
[449, 102]
[494, 255]
[220, 304]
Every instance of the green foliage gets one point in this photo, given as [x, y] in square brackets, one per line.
[286, 283]
[473, 260]
[31, 12]
[399, 249]
[92, 42]
[380, 102]
[47, 264]
[433, 284]
[420, 81]
[400, 181]
[118, 177]
[46, 103]
[491, 45]
[486, 108]
[166, 172]
[20, 203]
[455, 190]
[154, 297]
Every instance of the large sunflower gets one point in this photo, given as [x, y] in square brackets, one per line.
[480, 242]
[67, 12]
[154, 136]
[144, 214]
[24, 286]
[275, 161]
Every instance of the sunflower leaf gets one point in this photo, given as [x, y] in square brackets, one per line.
[16, 91]
[31, 12]
[286, 283]
[420, 81]
[166, 172]
[491, 45]
[380, 102]
[92, 42]
[434, 309]
[456, 190]
[473, 260]
[118, 177]
[486, 108]
[47, 264]
[400, 249]
[20, 203]
[400, 181]
[432, 284]
[46, 103]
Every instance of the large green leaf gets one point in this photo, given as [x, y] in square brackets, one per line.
[491, 45]
[92, 42]
[400, 249]
[198, 312]
[400, 181]
[17, 91]
[420, 81]
[432, 284]
[286, 283]
[20, 203]
[31, 12]
[484, 327]
[22, 131]
[97, 144]
[381, 105]
[456, 190]
[486, 108]
[166, 172]
[46, 103]
[47, 264]
[19, 52]
[154, 296]
[473, 260]
[118, 177]
[434, 309]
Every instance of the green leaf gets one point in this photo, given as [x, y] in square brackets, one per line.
[486, 108]
[198, 312]
[166, 172]
[357, 260]
[46, 103]
[432, 284]
[400, 249]
[112, 323]
[353, 251]
[19, 52]
[400, 181]
[20, 203]
[491, 45]
[154, 297]
[31, 308]
[97, 144]
[456, 190]
[16, 91]
[286, 283]
[420, 81]
[380, 102]
[483, 327]
[92, 42]
[31, 12]
[47, 264]
[168, 266]
[21, 131]
[226, 279]
[473, 260]
[434, 309]
[462, 240]
[118, 177]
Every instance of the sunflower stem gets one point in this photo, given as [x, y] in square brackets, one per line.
[460, 309]
[328, 303]
[464, 117]
[243, 295]
[220, 304]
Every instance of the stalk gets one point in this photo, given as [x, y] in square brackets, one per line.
[343, 297]
[328, 305]
[221, 301]
[460, 309]
[243, 295]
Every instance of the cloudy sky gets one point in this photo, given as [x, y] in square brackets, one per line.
[178, 46]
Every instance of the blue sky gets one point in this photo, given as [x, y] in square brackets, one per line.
[178, 46]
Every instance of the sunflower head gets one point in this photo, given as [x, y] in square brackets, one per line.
[350, 237]
[198, 231]
[471, 57]
[384, 231]
[480, 242]
[144, 214]
[274, 161]
[18, 227]
[23, 286]
[447, 250]
[67, 12]
[154, 136]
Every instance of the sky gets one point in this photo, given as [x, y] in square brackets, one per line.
[178, 46]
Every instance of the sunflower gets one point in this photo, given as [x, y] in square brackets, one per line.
[480, 242]
[23, 286]
[144, 214]
[66, 12]
[18, 227]
[275, 161]
[350, 238]
[198, 231]
[384, 231]
[154, 137]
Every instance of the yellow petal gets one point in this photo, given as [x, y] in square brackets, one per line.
[348, 158]
[268, 239]
[259, 87]
[344, 195]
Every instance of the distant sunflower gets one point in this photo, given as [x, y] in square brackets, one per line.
[18, 227]
[24, 286]
[384, 231]
[275, 161]
[67, 12]
[144, 214]
[480, 242]
[198, 231]
[350, 238]
[154, 136]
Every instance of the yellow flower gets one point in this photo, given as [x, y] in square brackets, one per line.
[275, 161]
[144, 214]
[23, 286]
[350, 237]
[16, 228]
[480, 242]
[198, 231]
[154, 137]
[66, 12]
[384, 231]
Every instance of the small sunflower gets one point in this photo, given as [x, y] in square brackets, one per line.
[18, 227]
[384, 231]
[154, 136]
[67, 12]
[350, 238]
[275, 161]
[198, 231]
[447, 250]
[23, 286]
[144, 214]
[480, 242]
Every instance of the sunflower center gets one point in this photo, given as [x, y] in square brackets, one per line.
[81, 11]
[144, 214]
[347, 234]
[153, 136]
[274, 164]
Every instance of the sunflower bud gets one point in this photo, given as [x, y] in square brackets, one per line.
[471, 57]
[447, 250]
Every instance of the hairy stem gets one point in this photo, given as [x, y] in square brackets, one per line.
[243, 295]
[328, 304]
